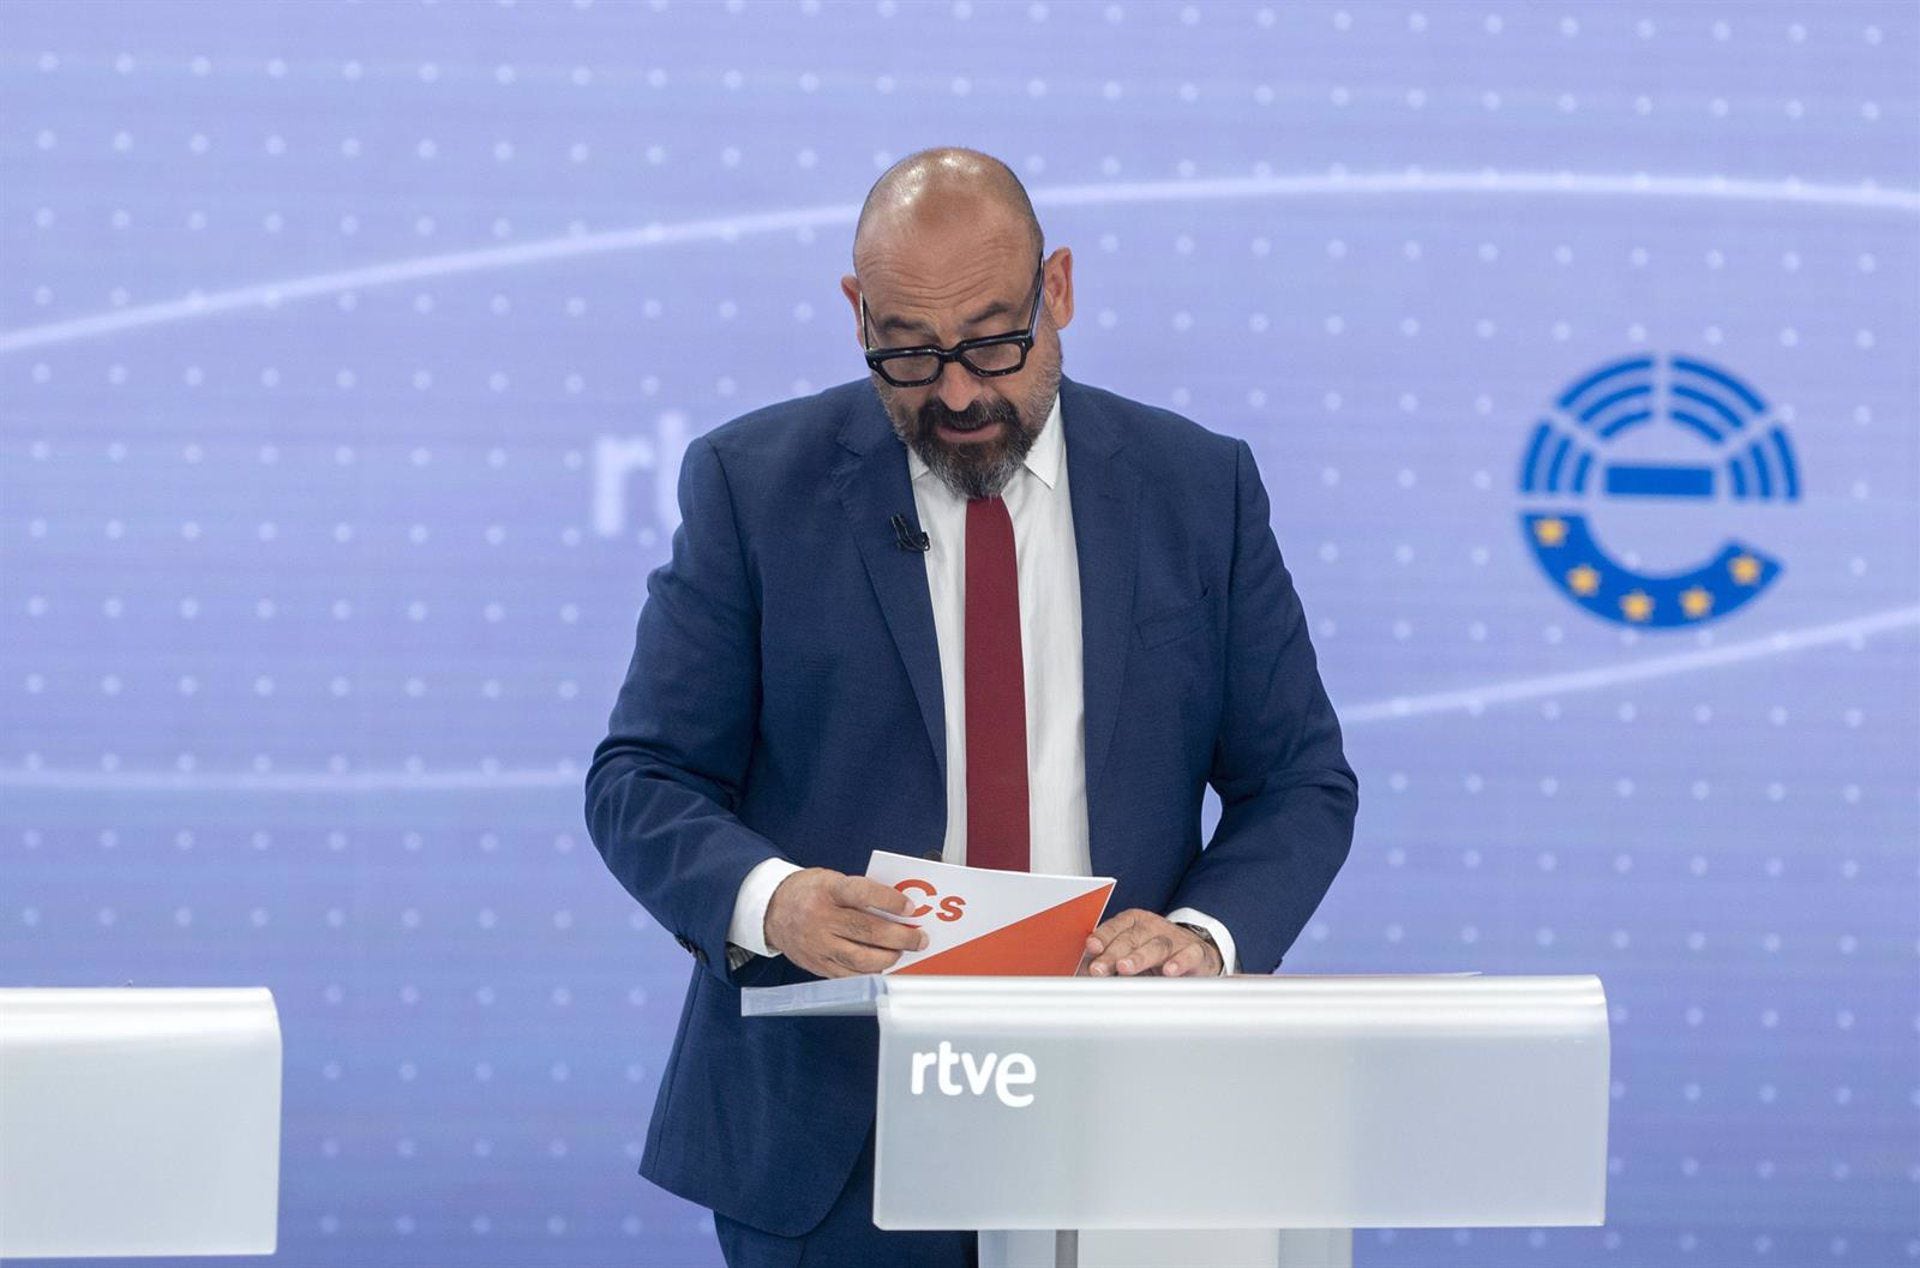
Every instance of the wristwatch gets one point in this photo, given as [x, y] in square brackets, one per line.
[1201, 932]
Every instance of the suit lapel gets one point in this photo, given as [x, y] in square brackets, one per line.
[872, 481]
[1105, 489]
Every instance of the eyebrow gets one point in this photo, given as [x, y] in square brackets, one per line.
[899, 325]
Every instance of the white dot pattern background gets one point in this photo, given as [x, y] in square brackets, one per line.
[348, 350]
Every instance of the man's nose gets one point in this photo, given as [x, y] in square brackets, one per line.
[956, 387]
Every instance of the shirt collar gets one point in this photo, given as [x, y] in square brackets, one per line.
[1043, 459]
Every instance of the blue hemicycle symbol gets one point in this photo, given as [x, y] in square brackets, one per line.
[1747, 458]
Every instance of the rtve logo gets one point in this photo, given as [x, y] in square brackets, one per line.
[952, 907]
[1003, 1074]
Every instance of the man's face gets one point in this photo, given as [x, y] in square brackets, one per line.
[936, 287]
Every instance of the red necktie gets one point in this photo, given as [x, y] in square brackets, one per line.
[997, 834]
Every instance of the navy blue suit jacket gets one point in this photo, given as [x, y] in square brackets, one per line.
[784, 699]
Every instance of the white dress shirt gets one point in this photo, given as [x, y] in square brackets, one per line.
[1050, 649]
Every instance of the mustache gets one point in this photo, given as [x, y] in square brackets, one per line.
[934, 413]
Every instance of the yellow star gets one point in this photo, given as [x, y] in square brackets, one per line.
[1745, 569]
[1696, 602]
[1584, 580]
[1551, 531]
[1637, 606]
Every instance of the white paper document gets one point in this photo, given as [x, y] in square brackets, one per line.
[987, 922]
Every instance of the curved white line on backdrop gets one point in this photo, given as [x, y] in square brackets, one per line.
[568, 776]
[1780, 643]
[271, 295]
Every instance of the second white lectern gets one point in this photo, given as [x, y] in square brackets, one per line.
[1261, 1104]
[138, 1122]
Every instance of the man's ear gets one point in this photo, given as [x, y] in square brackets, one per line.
[850, 287]
[1057, 281]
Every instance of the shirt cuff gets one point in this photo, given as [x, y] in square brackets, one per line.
[748, 929]
[1229, 962]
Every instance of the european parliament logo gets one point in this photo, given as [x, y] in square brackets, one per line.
[1663, 448]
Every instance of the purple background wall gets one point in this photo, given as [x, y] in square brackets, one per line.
[347, 351]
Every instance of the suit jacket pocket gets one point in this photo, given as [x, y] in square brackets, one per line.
[1164, 627]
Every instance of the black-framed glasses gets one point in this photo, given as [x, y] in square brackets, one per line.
[988, 357]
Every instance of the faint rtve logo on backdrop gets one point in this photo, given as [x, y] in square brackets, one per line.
[634, 481]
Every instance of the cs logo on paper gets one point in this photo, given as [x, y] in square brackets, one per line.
[952, 907]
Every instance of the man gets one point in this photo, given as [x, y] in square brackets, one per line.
[967, 608]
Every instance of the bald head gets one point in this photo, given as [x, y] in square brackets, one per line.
[949, 279]
[943, 188]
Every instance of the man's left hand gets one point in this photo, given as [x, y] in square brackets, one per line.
[1137, 941]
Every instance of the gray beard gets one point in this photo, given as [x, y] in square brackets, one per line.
[967, 476]
[975, 479]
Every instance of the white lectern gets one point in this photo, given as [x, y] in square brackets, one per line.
[1051, 1113]
[139, 1122]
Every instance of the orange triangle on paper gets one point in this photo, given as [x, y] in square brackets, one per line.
[1048, 943]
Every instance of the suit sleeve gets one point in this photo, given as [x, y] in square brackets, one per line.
[1287, 794]
[664, 785]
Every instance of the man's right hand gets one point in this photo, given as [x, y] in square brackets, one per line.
[818, 918]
